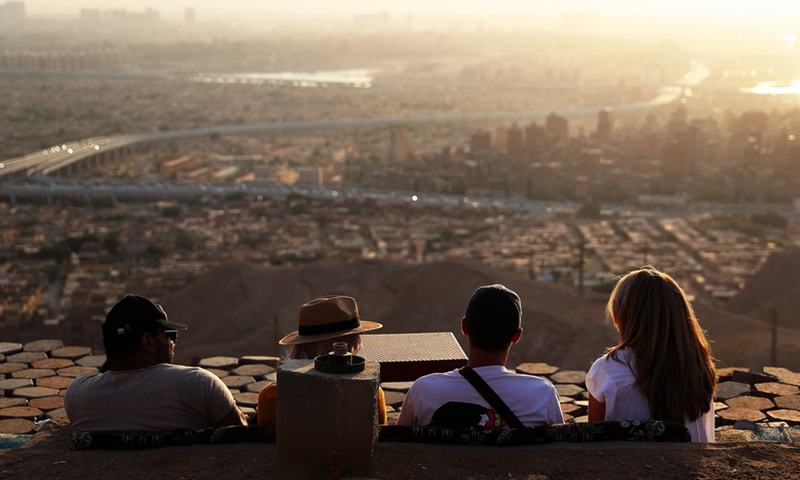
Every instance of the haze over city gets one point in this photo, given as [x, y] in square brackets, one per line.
[146, 147]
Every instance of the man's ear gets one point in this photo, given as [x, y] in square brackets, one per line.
[148, 342]
[516, 336]
[464, 328]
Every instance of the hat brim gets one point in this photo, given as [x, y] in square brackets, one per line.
[173, 325]
[295, 338]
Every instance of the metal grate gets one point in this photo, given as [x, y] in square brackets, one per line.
[411, 347]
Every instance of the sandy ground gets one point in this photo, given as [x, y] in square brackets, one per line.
[47, 457]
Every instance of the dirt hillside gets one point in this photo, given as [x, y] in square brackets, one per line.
[240, 309]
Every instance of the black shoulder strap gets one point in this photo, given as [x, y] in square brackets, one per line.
[490, 396]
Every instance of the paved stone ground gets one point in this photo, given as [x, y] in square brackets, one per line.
[34, 377]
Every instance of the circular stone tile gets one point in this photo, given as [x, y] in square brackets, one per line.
[575, 377]
[396, 386]
[26, 357]
[536, 369]
[91, 361]
[237, 381]
[59, 383]
[253, 370]
[726, 390]
[9, 348]
[17, 425]
[72, 353]
[753, 403]
[260, 360]
[52, 363]
[13, 383]
[248, 399]
[35, 392]
[12, 367]
[224, 363]
[47, 403]
[74, 371]
[257, 386]
[219, 373]
[21, 412]
[12, 402]
[57, 413]
[791, 402]
[42, 346]
[34, 373]
[568, 390]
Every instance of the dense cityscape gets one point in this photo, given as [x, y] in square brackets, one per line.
[567, 163]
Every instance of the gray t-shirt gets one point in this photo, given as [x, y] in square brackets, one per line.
[158, 398]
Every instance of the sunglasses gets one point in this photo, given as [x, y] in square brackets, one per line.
[171, 334]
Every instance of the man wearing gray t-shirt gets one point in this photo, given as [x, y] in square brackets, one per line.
[138, 388]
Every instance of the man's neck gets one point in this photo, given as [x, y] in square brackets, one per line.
[484, 358]
[130, 363]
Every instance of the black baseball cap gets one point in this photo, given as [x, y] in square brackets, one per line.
[134, 315]
[495, 305]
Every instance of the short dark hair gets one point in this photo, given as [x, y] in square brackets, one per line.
[494, 315]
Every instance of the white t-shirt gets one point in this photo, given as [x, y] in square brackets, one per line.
[162, 397]
[454, 401]
[613, 382]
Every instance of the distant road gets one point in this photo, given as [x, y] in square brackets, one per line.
[56, 157]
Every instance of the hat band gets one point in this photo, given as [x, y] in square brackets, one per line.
[329, 327]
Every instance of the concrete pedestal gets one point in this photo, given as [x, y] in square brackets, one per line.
[327, 423]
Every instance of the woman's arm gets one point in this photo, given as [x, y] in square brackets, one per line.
[597, 410]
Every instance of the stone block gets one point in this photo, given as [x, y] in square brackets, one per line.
[223, 363]
[12, 383]
[10, 348]
[753, 403]
[752, 378]
[541, 369]
[784, 375]
[26, 357]
[792, 402]
[59, 383]
[733, 415]
[247, 399]
[260, 360]
[57, 413]
[792, 417]
[327, 423]
[775, 389]
[12, 367]
[237, 381]
[726, 390]
[47, 403]
[91, 361]
[575, 377]
[396, 386]
[12, 402]
[726, 374]
[42, 346]
[568, 390]
[74, 371]
[34, 373]
[72, 353]
[17, 425]
[252, 370]
[394, 398]
[21, 412]
[257, 386]
[53, 363]
[218, 372]
[35, 392]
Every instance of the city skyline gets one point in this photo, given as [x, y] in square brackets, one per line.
[777, 16]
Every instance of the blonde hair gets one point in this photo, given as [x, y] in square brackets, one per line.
[674, 367]
[311, 350]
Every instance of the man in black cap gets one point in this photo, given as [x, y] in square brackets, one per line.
[468, 397]
[138, 388]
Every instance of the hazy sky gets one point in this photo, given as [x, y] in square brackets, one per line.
[758, 13]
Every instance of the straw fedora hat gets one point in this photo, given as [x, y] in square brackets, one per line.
[326, 317]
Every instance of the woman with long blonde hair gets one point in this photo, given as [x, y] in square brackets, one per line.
[662, 368]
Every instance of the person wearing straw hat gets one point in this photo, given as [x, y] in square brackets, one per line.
[322, 322]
